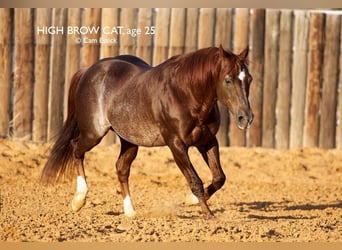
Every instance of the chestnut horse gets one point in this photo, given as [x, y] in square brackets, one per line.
[173, 104]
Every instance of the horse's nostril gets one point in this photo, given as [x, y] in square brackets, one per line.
[242, 118]
[241, 121]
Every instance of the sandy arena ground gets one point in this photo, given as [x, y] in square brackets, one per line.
[270, 195]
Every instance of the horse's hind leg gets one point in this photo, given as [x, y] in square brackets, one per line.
[82, 188]
[83, 143]
[123, 165]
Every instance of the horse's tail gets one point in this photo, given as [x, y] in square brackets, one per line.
[60, 163]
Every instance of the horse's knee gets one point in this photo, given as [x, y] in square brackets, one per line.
[219, 181]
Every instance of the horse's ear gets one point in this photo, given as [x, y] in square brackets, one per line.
[243, 55]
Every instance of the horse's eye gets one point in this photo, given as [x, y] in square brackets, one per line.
[228, 80]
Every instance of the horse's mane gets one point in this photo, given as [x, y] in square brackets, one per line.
[199, 67]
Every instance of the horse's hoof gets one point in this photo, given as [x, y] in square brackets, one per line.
[131, 214]
[209, 216]
[78, 202]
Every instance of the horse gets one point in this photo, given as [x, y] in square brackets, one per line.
[173, 104]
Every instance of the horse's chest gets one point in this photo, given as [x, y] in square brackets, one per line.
[201, 134]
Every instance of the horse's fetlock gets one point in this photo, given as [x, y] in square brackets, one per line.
[198, 190]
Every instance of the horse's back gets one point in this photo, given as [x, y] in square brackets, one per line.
[133, 60]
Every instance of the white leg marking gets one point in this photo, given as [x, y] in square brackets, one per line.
[242, 75]
[191, 199]
[81, 185]
[194, 199]
[80, 196]
[128, 207]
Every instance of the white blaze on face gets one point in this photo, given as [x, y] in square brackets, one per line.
[81, 185]
[242, 75]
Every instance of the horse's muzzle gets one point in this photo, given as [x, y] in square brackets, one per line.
[243, 120]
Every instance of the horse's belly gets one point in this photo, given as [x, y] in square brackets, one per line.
[142, 134]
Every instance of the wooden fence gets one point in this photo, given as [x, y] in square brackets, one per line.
[295, 60]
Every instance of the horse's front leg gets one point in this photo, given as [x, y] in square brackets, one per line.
[210, 153]
[123, 166]
[180, 154]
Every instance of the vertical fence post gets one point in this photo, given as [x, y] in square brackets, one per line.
[283, 103]
[90, 51]
[161, 39]
[237, 137]
[177, 31]
[57, 74]
[205, 27]
[23, 74]
[311, 123]
[109, 19]
[339, 103]
[191, 30]
[299, 69]
[256, 68]
[128, 20]
[144, 41]
[5, 71]
[223, 35]
[41, 79]
[72, 59]
[270, 78]
[329, 84]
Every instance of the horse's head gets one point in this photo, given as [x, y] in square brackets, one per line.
[233, 86]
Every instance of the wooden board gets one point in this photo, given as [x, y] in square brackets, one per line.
[128, 20]
[256, 68]
[41, 77]
[315, 60]
[23, 74]
[339, 102]
[191, 29]
[206, 27]
[177, 32]
[283, 103]
[299, 69]
[145, 41]
[57, 74]
[161, 38]
[5, 71]
[270, 78]
[329, 83]
[90, 51]
[109, 19]
[73, 54]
